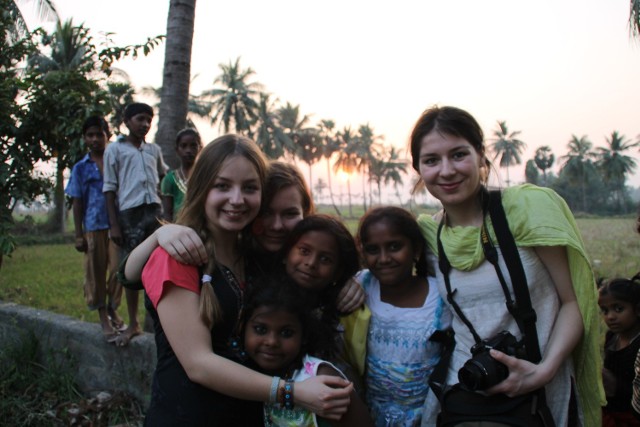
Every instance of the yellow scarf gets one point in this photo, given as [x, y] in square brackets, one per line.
[539, 217]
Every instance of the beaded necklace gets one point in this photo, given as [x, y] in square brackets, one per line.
[234, 342]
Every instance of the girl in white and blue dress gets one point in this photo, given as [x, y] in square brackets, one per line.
[405, 312]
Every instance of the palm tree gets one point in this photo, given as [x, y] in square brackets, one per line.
[507, 146]
[269, 135]
[531, 174]
[45, 10]
[330, 145]
[293, 125]
[544, 159]
[615, 165]
[347, 160]
[386, 169]
[578, 163]
[367, 146]
[235, 100]
[309, 149]
[176, 78]
[67, 69]
[634, 18]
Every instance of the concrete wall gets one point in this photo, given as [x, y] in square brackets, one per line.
[98, 365]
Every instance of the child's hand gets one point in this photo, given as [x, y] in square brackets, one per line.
[81, 244]
[182, 244]
[116, 235]
[351, 296]
[325, 395]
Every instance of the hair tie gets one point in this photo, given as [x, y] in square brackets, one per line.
[206, 279]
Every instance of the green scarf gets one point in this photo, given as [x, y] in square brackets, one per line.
[539, 217]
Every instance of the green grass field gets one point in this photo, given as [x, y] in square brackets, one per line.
[50, 276]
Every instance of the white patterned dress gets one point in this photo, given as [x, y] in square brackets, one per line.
[400, 356]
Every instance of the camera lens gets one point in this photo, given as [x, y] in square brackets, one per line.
[482, 372]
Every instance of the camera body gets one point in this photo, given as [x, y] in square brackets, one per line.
[483, 371]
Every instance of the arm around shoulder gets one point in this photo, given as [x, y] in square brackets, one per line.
[357, 414]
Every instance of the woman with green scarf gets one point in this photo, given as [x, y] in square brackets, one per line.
[448, 152]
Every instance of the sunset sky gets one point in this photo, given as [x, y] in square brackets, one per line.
[548, 68]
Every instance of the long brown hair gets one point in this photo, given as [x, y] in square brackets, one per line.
[204, 173]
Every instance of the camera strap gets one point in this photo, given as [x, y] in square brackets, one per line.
[521, 309]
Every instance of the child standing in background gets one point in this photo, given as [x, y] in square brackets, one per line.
[405, 312]
[282, 337]
[102, 291]
[619, 303]
[132, 172]
[174, 184]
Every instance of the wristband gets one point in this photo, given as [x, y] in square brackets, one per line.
[273, 393]
[288, 394]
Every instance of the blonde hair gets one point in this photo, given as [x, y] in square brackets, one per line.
[205, 171]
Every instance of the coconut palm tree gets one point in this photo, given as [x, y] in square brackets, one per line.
[634, 18]
[367, 145]
[309, 148]
[507, 146]
[66, 69]
[347, 160]
[293, 125]
[268, 133]
[176, 77]
[615, 165]
[544, 159]
[330, 144]
[387, 168]
[44, 9]
[235, 99]
[578, 163]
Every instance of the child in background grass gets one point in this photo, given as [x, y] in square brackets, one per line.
[174, 184]
[102, 291]
[619, 303]
[405, 312]
[283, 337]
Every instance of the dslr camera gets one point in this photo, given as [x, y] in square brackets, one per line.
[483, 371]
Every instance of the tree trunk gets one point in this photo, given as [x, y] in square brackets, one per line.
[174, 97]
[56, 222]
[330, 189]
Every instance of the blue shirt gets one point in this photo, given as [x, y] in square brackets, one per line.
[86, 183]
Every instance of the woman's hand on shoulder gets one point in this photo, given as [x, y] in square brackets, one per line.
[351, 296]
[523, 378]
[182, 243]
[324, 395]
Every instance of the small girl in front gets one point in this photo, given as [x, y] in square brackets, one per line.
[200, 379]
[404, 314]
[282, 337]
[619, 303]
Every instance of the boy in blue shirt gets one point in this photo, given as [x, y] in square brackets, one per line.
[133, 169]
[102, 291]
